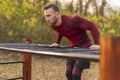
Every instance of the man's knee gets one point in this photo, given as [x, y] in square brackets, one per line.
[77, 74]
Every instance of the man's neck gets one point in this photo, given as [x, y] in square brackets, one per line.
[59, 22]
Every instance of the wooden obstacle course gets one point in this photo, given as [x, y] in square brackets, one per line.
[109, 58]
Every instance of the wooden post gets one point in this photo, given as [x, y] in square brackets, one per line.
[27, 62]
[110, 58]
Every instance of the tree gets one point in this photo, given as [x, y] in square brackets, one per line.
[102, 7]
[79, 7]
[86, 7]
[96, 7]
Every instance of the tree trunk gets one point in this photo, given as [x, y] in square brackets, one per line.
[79, 9]
[45, 1]
[96, 7]
[86, 7]
[56, 2]
[102, 7]
[81, 6]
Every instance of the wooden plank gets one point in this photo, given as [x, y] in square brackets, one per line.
[110, 58]
[89, 55]
[27, 58]
[27, 66]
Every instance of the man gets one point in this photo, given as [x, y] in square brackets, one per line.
[74, 29]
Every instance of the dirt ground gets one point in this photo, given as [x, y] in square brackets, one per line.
[43, 68]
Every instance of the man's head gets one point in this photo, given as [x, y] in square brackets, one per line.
[52, 14]
[50, 5]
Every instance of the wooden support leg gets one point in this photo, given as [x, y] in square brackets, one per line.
[27, 62]
[27, 66]
[110, 58]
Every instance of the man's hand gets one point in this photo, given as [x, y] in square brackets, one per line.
[54, 45]
[95, 47]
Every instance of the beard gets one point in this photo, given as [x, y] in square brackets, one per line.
[53, 22]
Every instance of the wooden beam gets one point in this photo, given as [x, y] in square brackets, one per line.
[110, 58]
[27, 67]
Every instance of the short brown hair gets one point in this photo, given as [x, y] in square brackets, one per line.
[50, 5]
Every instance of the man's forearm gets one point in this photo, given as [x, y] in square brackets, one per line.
[58, 39]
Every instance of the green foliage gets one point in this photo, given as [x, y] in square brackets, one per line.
[107, 26]
[24, 19]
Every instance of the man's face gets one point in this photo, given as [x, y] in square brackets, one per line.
[50, 16]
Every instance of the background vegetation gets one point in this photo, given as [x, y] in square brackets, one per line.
[24, 18]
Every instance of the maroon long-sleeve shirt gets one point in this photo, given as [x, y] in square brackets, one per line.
[74, 29]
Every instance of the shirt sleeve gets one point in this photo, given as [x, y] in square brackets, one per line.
[95, 32]
[88, 25]
[58, 38]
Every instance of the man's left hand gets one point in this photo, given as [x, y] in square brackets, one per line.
[95, 47]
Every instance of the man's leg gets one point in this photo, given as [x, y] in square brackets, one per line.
[78, 68]
[77, 73]
[69, 68]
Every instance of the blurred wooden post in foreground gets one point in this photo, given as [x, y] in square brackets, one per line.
[110, 58]
[27, 62]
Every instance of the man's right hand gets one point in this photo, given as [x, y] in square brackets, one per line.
[54, 45]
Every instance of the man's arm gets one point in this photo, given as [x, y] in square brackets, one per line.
[93, 28]
[95, 33]
[57, 40]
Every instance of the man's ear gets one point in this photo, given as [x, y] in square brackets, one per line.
[57, 13]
